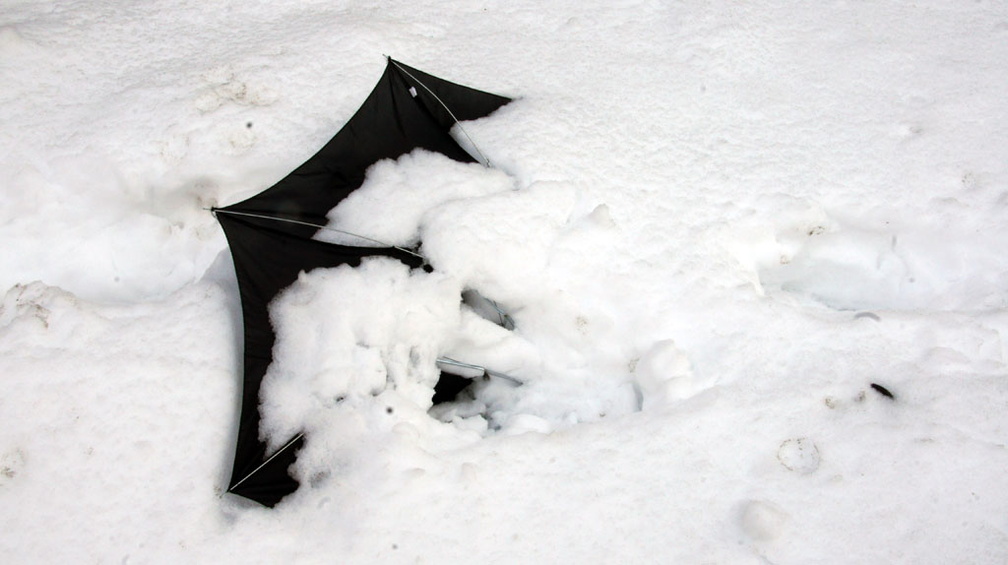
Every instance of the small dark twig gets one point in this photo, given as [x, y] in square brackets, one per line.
[883, 391]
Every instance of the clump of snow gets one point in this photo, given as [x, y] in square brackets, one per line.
[388, 325]
[390, 206]
[353, 332]
[663, 375]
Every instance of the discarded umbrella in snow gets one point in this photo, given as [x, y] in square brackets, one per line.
[270, 235]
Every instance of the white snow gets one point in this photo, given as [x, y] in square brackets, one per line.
[715, 224]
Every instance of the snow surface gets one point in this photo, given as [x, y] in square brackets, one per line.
[714, 223]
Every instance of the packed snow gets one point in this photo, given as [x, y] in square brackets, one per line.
[716, 226]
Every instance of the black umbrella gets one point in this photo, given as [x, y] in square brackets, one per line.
[270, 234]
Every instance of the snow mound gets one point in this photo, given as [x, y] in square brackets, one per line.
[870, 264]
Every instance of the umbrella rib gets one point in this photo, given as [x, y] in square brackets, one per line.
[266, 462]
[454, 363]
[486, 161]
[321, 227]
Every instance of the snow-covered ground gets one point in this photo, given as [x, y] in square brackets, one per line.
[715, 224]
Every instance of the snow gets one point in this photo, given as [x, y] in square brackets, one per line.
[714, 224]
